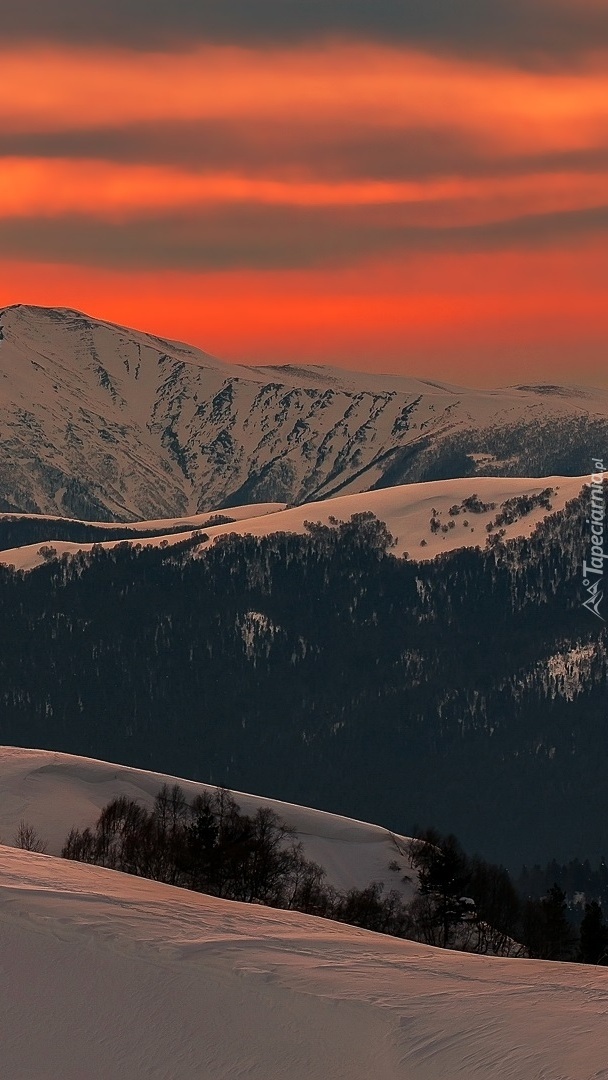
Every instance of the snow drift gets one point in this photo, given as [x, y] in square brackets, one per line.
[108, 976]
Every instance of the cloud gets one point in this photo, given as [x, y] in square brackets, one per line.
[266, 148]
[326, 151]
[61, 89]
[537, 32]
[262, 237]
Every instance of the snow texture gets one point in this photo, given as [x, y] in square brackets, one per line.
[107, 976]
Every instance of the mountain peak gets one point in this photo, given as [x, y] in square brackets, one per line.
[103, 422]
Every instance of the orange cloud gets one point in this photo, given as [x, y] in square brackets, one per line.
[66, 88]
[472, 317]
[38, 186]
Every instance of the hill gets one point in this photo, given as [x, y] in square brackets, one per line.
[56, 792]
[466, 692]
[463, 511]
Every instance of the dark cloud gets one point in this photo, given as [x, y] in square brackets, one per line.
[263, 148]
[527, 31]
[270, 237]
[302, 151]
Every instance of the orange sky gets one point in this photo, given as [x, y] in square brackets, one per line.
[364, 205]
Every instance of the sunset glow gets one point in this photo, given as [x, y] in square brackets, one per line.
[393, 208]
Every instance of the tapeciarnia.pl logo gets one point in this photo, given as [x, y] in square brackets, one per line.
[593, 571]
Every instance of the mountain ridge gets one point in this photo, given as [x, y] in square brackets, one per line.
[105, 423]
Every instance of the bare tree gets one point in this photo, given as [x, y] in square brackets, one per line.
[28, 839]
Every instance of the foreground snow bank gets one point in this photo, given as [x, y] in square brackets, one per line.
[107, 976]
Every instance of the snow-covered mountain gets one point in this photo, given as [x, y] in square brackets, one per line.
[106, 976]
[102, 422]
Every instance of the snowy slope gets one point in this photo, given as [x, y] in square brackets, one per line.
[407, 510]
[55, 792]
[102, 422]
[237, 513]
[107, 976]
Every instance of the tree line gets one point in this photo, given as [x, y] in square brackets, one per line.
[209, 845]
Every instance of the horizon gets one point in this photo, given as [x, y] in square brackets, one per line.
[327, 366]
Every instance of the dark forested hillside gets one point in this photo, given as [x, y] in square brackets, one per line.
[468, 692]
[19, 530]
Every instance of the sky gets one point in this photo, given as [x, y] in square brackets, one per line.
[412, 186]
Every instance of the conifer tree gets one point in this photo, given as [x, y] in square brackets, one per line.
[593, 947]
